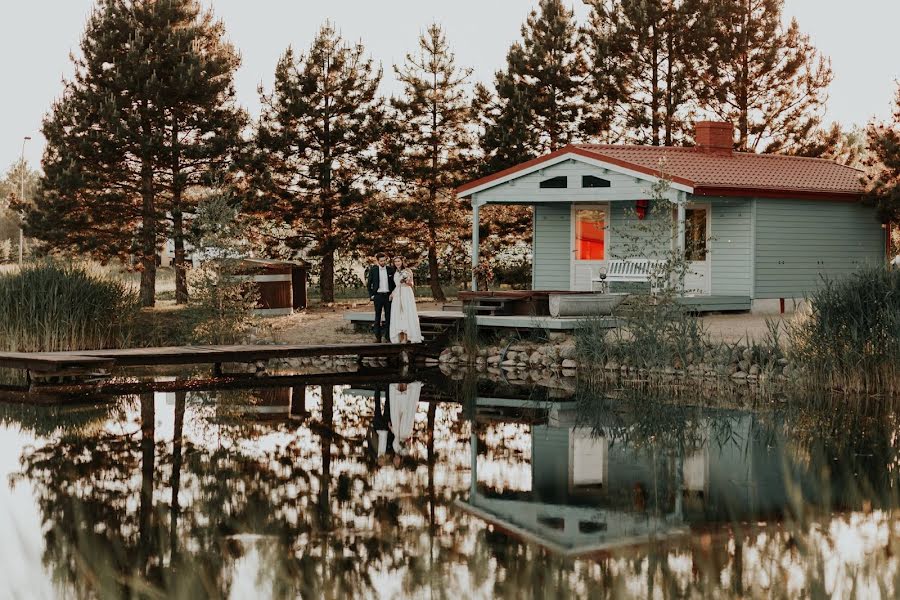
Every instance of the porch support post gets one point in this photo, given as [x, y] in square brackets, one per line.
[475, 258]
[680, 232]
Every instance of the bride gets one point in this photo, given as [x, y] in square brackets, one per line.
[404, 316]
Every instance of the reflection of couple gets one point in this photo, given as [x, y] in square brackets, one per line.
[395, 422]
[391, 290]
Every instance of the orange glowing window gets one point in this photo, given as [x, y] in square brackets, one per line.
[590, 234]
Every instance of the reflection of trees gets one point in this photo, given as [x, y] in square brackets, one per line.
[127, 515]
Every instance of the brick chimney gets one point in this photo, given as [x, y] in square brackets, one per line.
[714, 137]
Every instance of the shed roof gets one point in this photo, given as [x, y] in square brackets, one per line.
[737, 173]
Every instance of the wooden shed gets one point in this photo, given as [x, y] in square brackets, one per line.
[281, 284]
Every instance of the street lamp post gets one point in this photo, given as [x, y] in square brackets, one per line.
[22, 199]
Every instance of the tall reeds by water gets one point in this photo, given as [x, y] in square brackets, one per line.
[851, 337]
[848, 341]
[55, 307]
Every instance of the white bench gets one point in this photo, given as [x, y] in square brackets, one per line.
[629, 270]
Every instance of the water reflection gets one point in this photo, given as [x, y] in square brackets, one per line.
[407, 489]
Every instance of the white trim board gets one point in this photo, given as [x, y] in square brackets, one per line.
[569, 156]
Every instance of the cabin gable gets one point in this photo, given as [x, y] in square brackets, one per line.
[570, 180]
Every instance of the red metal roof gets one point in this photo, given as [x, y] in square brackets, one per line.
[740, 173]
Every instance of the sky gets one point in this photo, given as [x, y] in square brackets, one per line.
[37, 36]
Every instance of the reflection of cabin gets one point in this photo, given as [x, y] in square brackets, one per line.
[276, 404]
[591, 491]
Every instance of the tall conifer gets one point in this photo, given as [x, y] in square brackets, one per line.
[884, 165]
[607, 85]
[203, 121]
[316, 147]
[660, 37]
[770, 81]
[433, 117]
[104, 138]
[149, 112]
[538, 99]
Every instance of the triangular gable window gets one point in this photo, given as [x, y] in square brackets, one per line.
[591, 181]
[555, 182]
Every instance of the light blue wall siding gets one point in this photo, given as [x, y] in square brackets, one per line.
[630, 237]
[730, 247]
[552, 256]
[799, 240]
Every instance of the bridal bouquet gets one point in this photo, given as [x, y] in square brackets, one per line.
[484, 274]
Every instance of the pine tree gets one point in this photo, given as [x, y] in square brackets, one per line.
[433, 117]
[316, 147]
[204, 123]
[768, 80]
[504, 119]
[660, 37]
[607, 84]
[883, 164]
[149, 112]
[539, 98]
[100, 185]
[11, 205]
[844, 146]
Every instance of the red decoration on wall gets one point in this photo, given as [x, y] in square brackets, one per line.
[641, 207]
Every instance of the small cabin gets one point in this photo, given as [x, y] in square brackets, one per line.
[760, 231]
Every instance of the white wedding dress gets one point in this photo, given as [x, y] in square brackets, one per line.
[403, 403]
[404, 316]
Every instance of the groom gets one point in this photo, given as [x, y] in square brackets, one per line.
[380, 285]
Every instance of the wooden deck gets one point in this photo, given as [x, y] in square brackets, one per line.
[61, 363]
[520, 322]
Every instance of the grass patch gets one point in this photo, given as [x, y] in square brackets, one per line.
[54, 307]
[851, 338]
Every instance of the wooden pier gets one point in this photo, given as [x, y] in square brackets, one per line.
[83, 364]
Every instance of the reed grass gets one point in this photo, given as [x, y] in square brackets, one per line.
[851, 336]
[651, 335]
[50, 306]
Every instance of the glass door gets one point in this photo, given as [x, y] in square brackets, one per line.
[696, 248]
[589, 244]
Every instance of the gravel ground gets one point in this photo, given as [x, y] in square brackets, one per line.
[324, 325]
[741, 327]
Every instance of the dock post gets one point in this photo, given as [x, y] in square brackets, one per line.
[260, 366]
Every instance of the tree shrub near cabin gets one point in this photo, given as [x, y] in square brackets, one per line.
[54, 307]
[851, 338]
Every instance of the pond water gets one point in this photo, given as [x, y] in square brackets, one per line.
[306, 491]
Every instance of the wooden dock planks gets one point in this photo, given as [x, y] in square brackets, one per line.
[191, 355]
[53, 361]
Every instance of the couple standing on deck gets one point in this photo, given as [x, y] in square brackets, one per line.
[391, 290]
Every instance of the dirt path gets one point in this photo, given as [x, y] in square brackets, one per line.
[740, 327]
[324, 325]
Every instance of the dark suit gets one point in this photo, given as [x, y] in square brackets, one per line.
[381, 425]
[381, 300]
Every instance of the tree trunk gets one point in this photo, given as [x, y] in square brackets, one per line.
[148, 460]
[148, 239]
[654, 89]
[326, 277]
[324, 500]
[743, 85]
[434, 274]
[181, 288]
[175, 481]
[670, 52]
